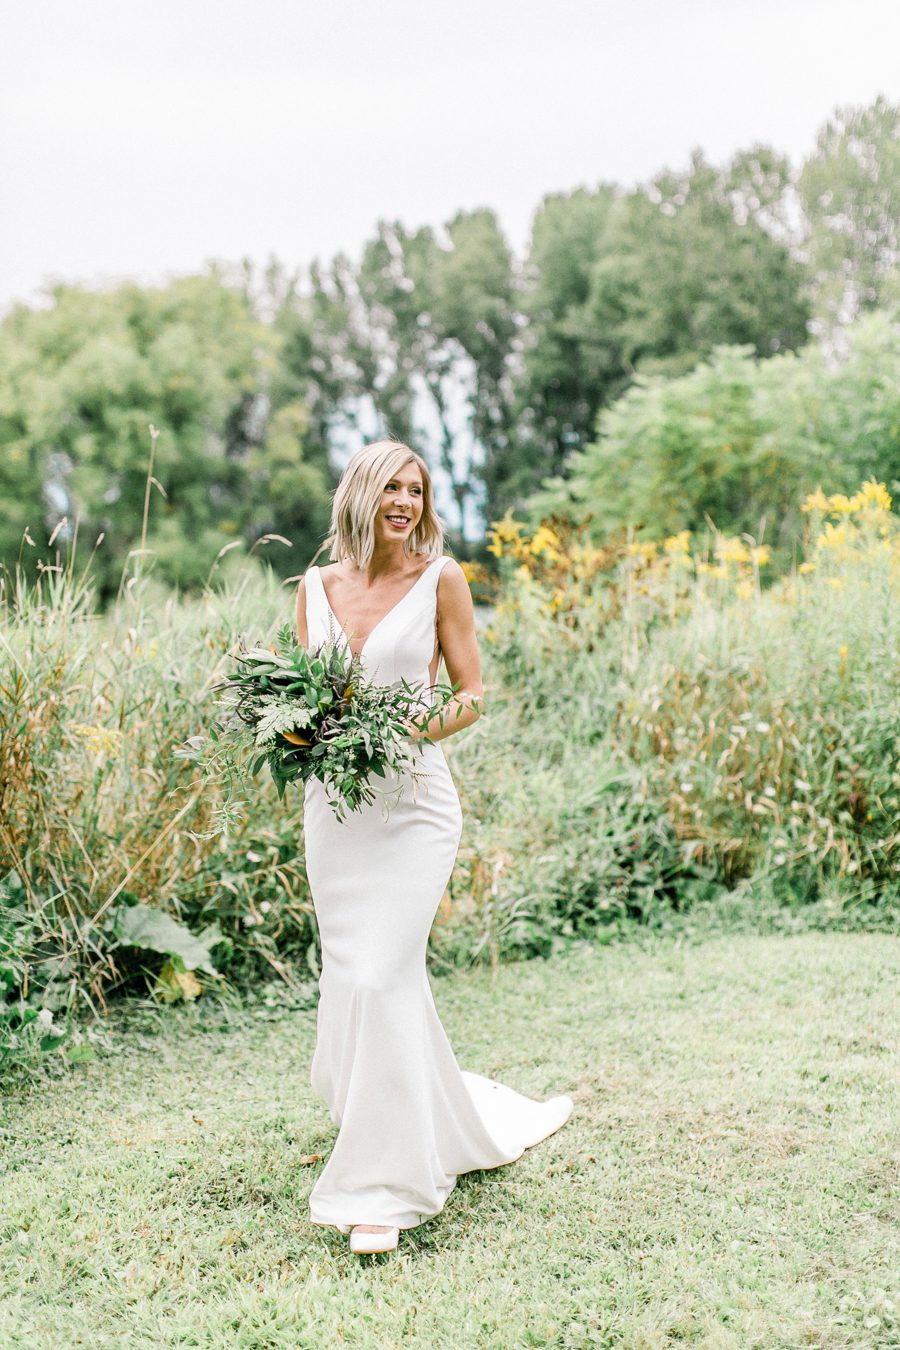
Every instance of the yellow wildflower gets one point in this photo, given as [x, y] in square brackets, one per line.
[731, 550]
[833, 536]
[873, 496]
[588, 555]
[504, 532]
[546, 541]
[761, 554]
[816, 501]
[678, 543]
[99, 740]
[647, 551]
[744, 589]
[840, 504]
[807, 567]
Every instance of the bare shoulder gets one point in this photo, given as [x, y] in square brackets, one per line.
[452, 577]
[453, 588]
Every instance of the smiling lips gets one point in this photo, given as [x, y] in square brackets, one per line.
[398, 522]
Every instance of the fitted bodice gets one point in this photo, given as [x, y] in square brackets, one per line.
[401, 646]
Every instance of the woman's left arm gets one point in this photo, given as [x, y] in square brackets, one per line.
[459, 646]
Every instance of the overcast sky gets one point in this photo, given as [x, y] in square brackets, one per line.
[142, 137]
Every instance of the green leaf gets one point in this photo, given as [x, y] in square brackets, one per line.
[78, 1054]
[152, 930]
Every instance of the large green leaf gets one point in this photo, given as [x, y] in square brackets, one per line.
[142, 926]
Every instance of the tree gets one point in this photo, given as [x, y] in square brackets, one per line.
[468, 322]
[850, 193]
[698, 277]
[82, 381]
[566, 367]
[622, 284]
[413, 343]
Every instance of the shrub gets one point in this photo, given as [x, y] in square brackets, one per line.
[657, 693]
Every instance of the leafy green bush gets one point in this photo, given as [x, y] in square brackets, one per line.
[740, 441]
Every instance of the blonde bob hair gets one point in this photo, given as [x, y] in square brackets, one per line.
[357, 498]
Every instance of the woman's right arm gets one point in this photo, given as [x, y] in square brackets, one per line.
[300, 616]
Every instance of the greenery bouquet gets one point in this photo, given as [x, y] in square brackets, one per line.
[313, 715]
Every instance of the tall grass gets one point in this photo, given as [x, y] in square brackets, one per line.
[98, 812]
[671, 728]
[661, 727]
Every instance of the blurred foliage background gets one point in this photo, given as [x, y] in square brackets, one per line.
[695, 345]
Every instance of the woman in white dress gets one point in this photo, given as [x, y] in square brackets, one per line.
[409, 1119]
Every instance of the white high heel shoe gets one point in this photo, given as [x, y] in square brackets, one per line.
[366, 1244]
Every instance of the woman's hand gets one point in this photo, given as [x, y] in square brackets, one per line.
[413, 730]
[462, 710]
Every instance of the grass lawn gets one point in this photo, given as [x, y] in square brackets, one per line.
[730, 1178]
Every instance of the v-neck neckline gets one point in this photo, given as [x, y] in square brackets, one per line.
[384, 616]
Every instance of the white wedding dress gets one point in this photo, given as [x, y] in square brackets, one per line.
[410, 1120]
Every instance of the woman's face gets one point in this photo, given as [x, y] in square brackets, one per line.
[401, 503]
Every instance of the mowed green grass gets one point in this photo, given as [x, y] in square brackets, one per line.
[729, 1179]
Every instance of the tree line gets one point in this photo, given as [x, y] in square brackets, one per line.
[516, 376]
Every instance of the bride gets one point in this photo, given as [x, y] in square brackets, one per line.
[410, 1120]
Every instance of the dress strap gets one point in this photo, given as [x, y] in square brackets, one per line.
[316, 599]
[438, 566]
